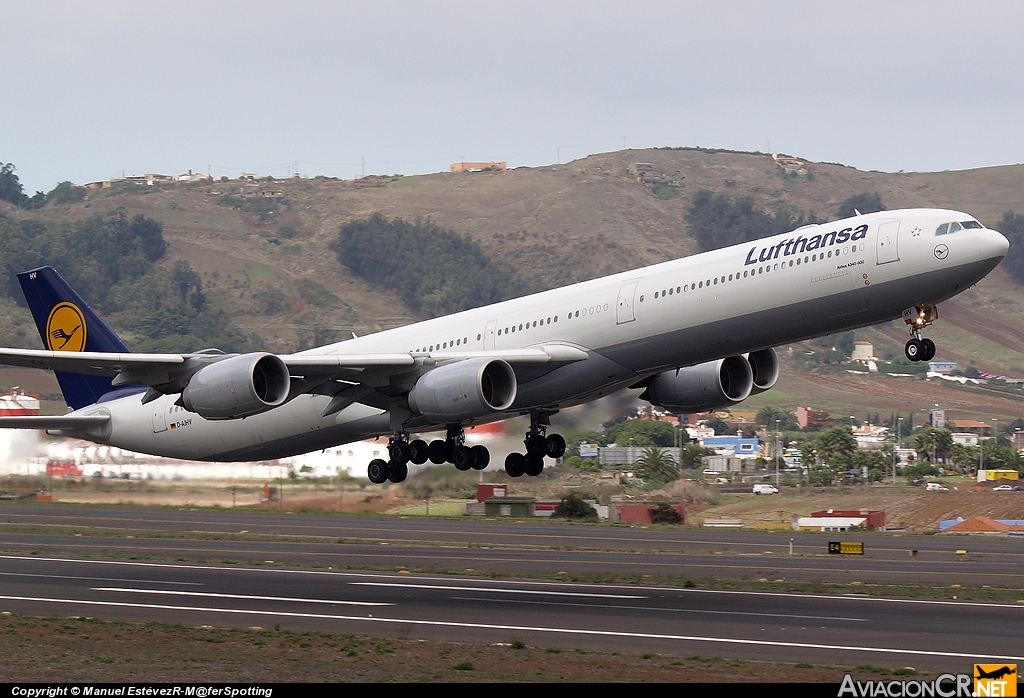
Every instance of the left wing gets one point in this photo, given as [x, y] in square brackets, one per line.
[169, 373]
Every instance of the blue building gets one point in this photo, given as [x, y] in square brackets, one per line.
[739, 445]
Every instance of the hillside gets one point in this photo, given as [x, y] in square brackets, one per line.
[552, 225]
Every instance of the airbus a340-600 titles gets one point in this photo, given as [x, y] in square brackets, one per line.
[694, 334]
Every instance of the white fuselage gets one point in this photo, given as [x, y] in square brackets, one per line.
[814, 281]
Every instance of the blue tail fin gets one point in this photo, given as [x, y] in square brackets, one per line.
[66, 323]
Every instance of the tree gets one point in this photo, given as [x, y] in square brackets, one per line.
[10, 186]
[1012, 226]
[642, 432]
[656, 466]
[574, 507]
[836, 447]
[874, 461]
[691, 455]
[718, 220]
[768, 416]
[933, 443]
[719, 426]
[434, 270]
[665, 513]
[868, 202]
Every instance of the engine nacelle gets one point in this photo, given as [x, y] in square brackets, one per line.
[703, 387]
[765, 365]
[237, 387]
[464, 390]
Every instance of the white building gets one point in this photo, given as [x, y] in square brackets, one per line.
[828, 523]
[863, 351]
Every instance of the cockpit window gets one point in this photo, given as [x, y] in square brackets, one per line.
[949, 228]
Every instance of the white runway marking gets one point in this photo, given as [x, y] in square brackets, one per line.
[522, 582]
[170, 592]
[664, 609]
[499, 590]
[98, 579]
[529, 628]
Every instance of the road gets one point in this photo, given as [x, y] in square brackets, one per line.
[536, 547]
[337, 574]
[849, 630]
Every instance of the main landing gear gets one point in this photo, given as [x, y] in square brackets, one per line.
[401, 452]
[452, 449]
[918, 348]
[538, 445]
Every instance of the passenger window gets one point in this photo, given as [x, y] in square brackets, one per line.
[942, 229]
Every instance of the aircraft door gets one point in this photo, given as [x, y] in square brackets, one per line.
[887, 244]
[624, 310]
[159, 407]
[489, 331]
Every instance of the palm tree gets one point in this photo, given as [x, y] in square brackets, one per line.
[657, 465]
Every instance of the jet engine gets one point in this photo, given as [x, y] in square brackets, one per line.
[765, 365]
[703, 387]
[237, 387]
[464, 390]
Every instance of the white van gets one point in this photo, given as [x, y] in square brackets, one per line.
[765, 489]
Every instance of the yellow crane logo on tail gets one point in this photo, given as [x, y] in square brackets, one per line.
[65, 328]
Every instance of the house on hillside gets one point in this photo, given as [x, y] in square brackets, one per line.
[806, 416]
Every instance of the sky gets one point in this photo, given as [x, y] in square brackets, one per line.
[94, 90]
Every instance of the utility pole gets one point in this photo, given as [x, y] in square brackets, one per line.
[778, 435]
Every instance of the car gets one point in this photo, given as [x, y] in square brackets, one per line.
[1019, 488]
[1002, 488]
[936, 487]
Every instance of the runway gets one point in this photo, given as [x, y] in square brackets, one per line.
[544, 547]
[848, 630]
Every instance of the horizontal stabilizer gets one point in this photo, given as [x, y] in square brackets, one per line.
[66, 422]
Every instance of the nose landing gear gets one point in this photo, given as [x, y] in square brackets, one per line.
[918, 348]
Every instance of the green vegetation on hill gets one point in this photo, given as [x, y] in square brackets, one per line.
[1012, 226]
[13, 192]
[110, 260]
[435, 271]
[868, 202]
[720, 220]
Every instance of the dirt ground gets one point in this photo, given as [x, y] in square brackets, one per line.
[45, 650]
[905, 507]
[909, 508]
[246, 494]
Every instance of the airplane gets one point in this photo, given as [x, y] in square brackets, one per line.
[694, 334]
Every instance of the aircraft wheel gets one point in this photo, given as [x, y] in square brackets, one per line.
[914, 350]
[555, 446]
[534, 465]
[397, 471]
[437, 452]
[463, 458]
[377, 471]
[515, 464]
[419, 451]
[929, 350]
[481, 457]
[399, 451]
[536, 445]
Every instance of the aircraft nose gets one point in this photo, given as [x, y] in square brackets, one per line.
[992, 244]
